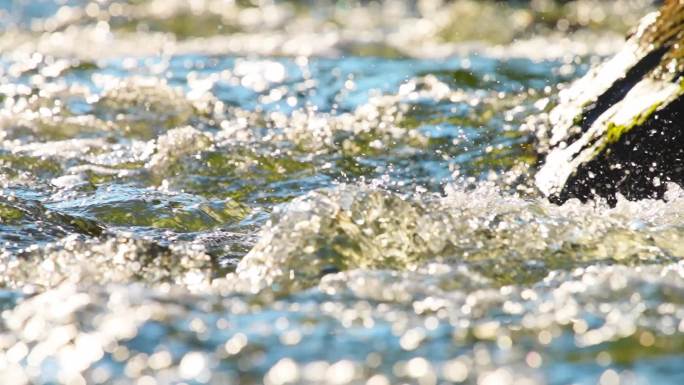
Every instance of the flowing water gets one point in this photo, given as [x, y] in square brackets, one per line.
[214, 192]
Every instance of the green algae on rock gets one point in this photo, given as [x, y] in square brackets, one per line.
[618, 130]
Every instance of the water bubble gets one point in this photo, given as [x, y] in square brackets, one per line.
[192, 365]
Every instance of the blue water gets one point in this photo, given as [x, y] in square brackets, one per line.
[214, 217]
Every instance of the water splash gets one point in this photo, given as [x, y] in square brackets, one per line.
[181, 204]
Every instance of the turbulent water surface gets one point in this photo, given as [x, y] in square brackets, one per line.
[218, 192]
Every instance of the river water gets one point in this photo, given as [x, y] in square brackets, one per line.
[218, 192]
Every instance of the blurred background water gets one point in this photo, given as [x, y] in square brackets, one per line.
[315, 192]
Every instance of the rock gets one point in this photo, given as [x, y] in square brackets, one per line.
[619, 129]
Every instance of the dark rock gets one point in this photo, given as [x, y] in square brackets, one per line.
[619, 130]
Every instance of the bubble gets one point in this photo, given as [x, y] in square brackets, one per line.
[284, 371]
[192, 365]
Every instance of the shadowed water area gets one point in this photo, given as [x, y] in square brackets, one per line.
[215, 192]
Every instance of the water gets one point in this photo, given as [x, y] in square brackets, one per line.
[278, 195]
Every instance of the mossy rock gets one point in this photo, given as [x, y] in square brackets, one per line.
[618, 130]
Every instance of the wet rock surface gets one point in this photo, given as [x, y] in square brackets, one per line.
[619, 129]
